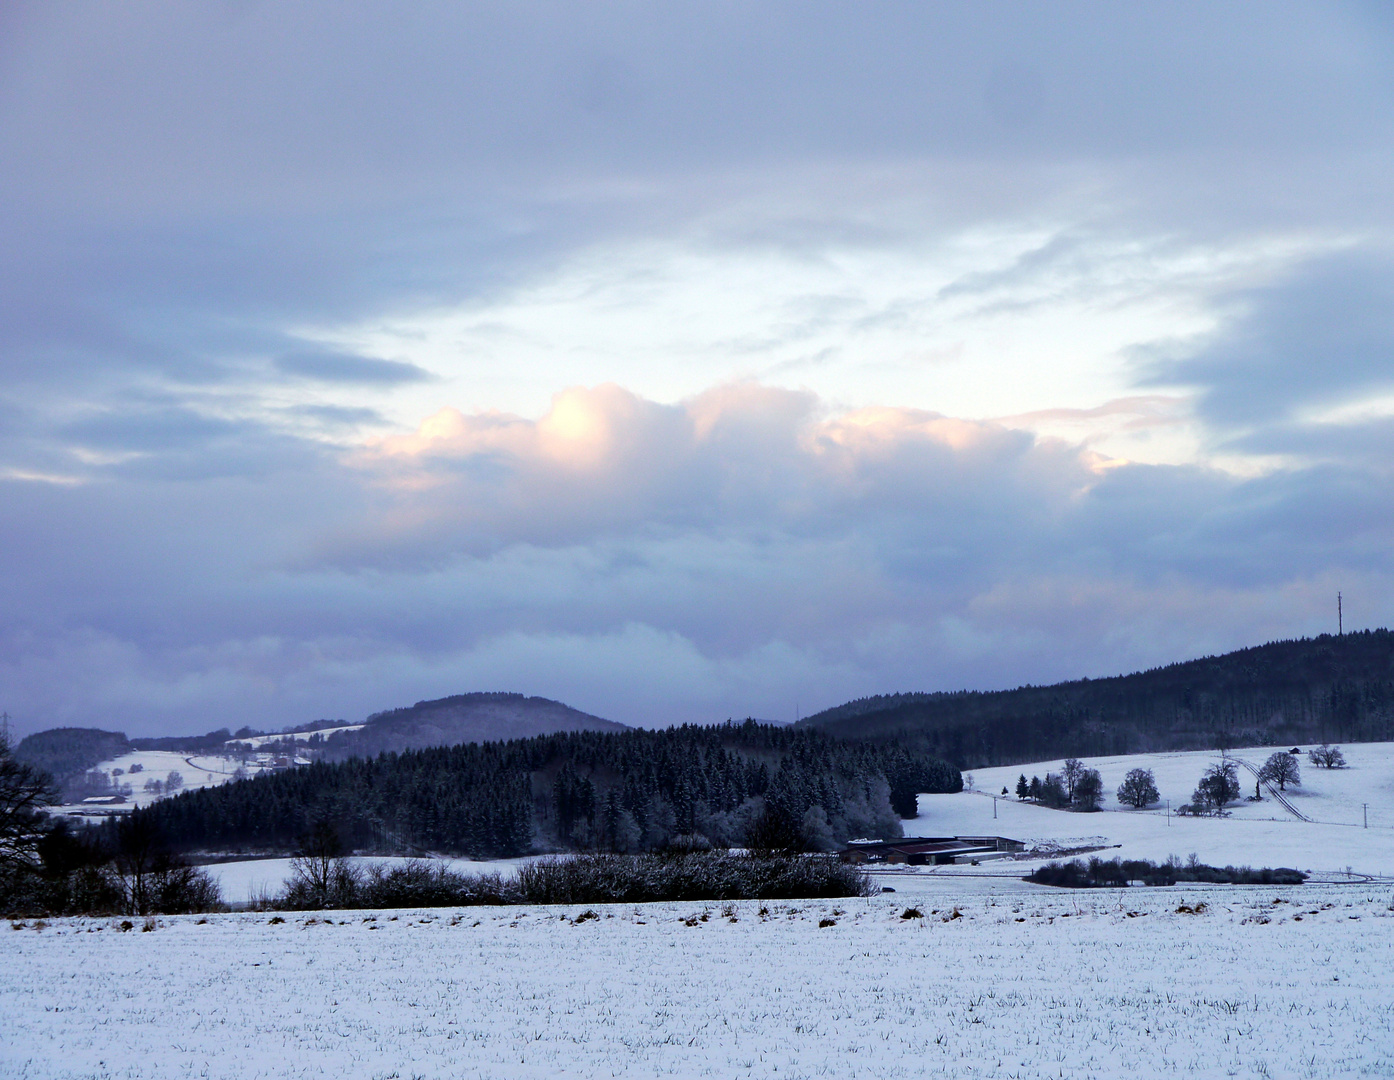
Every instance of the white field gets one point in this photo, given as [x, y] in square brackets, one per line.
[1031, 983]
[297, 736]
[1254, 834]
[197, 770]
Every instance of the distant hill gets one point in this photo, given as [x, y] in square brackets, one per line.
[1339, 689]
[464, 718]
[67, 752]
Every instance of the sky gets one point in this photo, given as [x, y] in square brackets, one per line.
[683, 361]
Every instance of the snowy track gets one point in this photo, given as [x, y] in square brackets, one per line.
[1030, 983]
[1272, 790]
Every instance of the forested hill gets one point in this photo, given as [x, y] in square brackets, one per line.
[1319, 689]
[464, 718]
[65, 752]
[633, 790]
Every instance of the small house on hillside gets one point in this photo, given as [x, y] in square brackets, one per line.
[930, 850]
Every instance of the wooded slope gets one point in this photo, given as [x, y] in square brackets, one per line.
[1338, 689]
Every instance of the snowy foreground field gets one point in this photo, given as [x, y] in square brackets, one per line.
[1014, 981]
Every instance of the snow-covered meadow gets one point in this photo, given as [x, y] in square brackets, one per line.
[195, 771]
[1026, 982]
[995, 978]
[1264, 833]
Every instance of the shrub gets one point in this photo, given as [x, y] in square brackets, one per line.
[691, 876]
[1113, 873]
[587, 879]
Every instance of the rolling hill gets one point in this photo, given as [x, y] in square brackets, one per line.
[463, 718]
[1313, 689]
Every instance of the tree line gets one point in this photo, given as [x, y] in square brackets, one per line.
[627, 791]
[1310, 690]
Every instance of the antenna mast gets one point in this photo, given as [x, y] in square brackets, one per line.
[1340, 626]
[4, 726]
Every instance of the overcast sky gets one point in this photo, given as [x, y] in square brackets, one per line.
[681, 361]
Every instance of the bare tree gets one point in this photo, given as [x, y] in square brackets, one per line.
[1327, 757]
[24, 793]
[1073, 770]
[321, 874]
[1138, 789]
[1219, 786]
[151, 879]
[1281, 769]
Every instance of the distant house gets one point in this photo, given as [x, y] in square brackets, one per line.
[103, 800]
[930, 850]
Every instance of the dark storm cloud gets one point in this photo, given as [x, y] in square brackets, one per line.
[1322, 338]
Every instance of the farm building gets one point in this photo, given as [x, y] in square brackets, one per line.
[930, 850]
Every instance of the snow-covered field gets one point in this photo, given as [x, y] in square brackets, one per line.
[1255, 833]
[1289, 982]
[196, 771]
[297, 736]
[999, 978]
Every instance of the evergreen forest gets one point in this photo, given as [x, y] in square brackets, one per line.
[625, 791]
[1324, 689]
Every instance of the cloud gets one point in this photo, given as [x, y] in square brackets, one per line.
[1323, 337]
[732, 553]
[787, 257]
[345, 368]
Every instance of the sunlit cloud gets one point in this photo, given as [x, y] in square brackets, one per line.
[722, 361]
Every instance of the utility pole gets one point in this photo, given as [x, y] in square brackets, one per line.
[994, 808]
[1340, 622]
[1365, 812]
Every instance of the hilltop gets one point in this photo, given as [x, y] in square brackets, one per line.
[1311, 689]
[464, 718]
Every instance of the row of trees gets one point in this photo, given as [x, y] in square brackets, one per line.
[1075, 786]
[1219, 786]
[1080, 788]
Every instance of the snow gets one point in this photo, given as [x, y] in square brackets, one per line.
[297, 736]
[1027, 983]
[1024, 982]
[1334, 842]
[198, 771]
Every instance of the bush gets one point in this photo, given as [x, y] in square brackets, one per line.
[697, 876]
[418, 883]
[584, 879]
[1113, 873]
